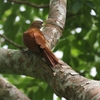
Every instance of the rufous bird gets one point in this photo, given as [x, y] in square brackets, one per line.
[36, 42]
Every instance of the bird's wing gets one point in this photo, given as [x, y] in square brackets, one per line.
[39, 38]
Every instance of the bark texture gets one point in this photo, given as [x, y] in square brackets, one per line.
[10, 92]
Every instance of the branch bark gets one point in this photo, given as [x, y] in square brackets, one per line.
[55, 22]
[64, 81]
[10, 92]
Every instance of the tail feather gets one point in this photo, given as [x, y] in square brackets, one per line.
[49, 56]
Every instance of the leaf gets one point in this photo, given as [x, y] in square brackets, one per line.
[4, 7]
[90, 4]
[9, 26]
[77, 6]
[75, 62]
[66, 54]
[92, 38]
[61, 44]
[39, 95]
[49, 94]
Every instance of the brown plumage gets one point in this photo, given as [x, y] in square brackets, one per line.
[35, 41]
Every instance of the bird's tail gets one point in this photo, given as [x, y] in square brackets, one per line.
[49, 56]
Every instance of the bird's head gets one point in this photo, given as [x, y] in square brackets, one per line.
[36, 24]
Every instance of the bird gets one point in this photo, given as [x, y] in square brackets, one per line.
[35, 41]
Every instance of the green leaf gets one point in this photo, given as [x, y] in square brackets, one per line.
[49, 94]
[77, 6]
[4, 7]
[90, 4]
[9, 26]
[92, 38]
[66, 54]
[39, 95]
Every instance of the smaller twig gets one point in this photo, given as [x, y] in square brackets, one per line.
[10, 41]
[29, 4]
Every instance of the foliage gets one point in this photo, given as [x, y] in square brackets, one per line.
[80, 42]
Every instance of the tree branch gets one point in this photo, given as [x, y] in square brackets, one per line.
[10, 92]
[29, 4]
[10, 41]
[55, 22]
[64, 81]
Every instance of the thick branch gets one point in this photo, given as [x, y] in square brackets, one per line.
[10, 92]
[29, 4]
[63, 80]
[55, 22]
